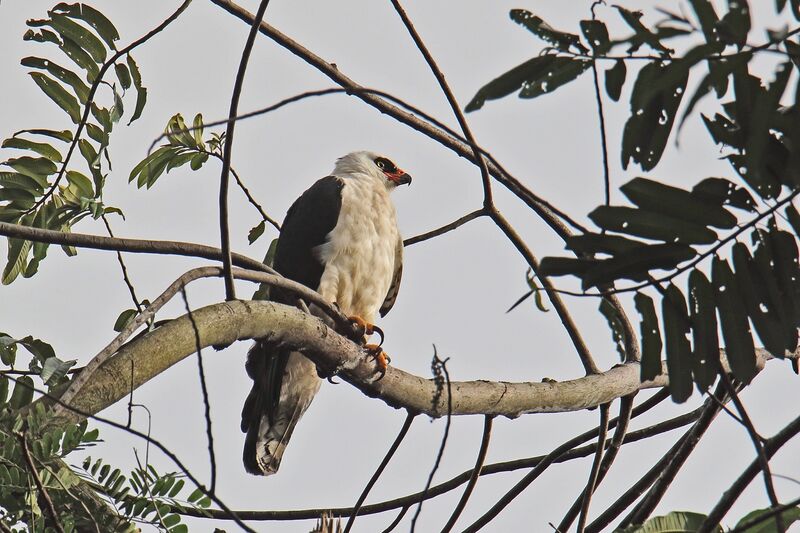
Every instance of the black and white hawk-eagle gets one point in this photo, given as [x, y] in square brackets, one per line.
[340, 238]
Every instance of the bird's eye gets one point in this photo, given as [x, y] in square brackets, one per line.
[380, 164]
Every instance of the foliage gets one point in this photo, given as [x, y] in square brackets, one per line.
[697, 238]
[688, 522]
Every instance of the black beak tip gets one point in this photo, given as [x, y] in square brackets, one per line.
[405, 179]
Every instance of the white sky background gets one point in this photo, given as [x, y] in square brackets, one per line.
[456, 288]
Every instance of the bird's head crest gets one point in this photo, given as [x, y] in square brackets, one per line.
[375, 165]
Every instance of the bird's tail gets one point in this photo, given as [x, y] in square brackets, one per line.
[283, 388]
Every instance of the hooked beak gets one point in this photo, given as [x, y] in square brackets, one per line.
[399, 178]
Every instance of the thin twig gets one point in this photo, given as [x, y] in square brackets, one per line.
[90, 98]
[381, 467]
[473, 479]
[397, 519]
[125, 277]
[204, 389]
[51, 509]
[446, 228]
[225, 238]
[601, 117]
[598, 456]
[438, 366]
[757, 444]
[729, 497]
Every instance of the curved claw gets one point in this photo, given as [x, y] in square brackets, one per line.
[380, 357]
[379, 331]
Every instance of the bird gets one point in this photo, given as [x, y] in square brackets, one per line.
[340, 238]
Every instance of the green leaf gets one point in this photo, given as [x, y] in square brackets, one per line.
[705, 339]
[69, 29]
[636, 264]
[37, 168]
[544, 31]
[262, 293]
[651, 225]
[123, 75]
[677, 203]
[723, 191]
[198, 160]
[511, 81]
[789, 517]
[3, 393]
[17, 259]
[783, 247]
[596, 34]
[561, 71]
[38, 348]
[615, 325]
[43, 149]
[124, 318]
[601, 243]
[653, 109]
[679, 358]
[197, 131]
[736, 332]
[675, 522]
[704, 10]
[64, 135]
[23, 393]
[67, 76]
[735, 24]
[97, 134]
[80, 57]
[58, 94]
[54, 369]
[565, 266]
[256, 232]
[178, 133]
[103, 116]
[642, 33]
[615, 79]
[763, 312]
[104, 27]
[141, 91]
[81, 183]
[8, 349]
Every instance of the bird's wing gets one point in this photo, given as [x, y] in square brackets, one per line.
[394, 288]
[281, 391]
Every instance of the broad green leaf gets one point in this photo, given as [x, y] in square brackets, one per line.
[642, 33]
[124, 318]
[103, 116]
[511, 81]
[537, 26]
[787, 271]
[649, 225]
[43, 149]
[69, 29]
[677, 203]
[141, 91]
[81, 58]
[789, 517]
[256, 232]
[58, 94]
[564, 266]
[675, 522]
[22, 394]
[99, 22]
[601, 243]
[197, 131]
[81, 183]
[3, 391]
[117, 110]
[13, 180]
[123, 75]
[561, 71]
[198, 160]
[38, 348]
[652, 114]
[97, 133]
[615, 79]
[8, 349]
[596, 35]
[736, 332]
[64, 135]
[636, 264]
[42, 36]
[67, 76]
[178, 133]
[679, 357]
[705, 339]
[17, 260]
[704, 10]
[54, 369]
[37, 168]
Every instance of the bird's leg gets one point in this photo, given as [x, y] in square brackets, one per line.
[361, 330]
[381, 358]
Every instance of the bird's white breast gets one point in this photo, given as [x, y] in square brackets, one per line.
[359, 254]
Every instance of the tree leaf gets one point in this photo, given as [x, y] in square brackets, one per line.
[22, 394]
[651, 225]
[64, 135]
[596, 35]
[54, 369]
[99, 22]
[123, 75]
[651, 337]
[615, 325]
[197, 131]
[724, 191]
[676, 329]
[653, 110]
[67, 76]
[81, 58]
[43, 149]
[615, 79]
[561, 71]
[704, 10]
[509, 82]
[58, 94]
[642, 33]
[69, 29]
[565, 266]
[675, 522]
[537, 26]
[677, 203]
[789, 517]
[256, 232]
[734, 26]
[594, 243]
[736, 332]
[637, 263]
[17, 259]
[141, 91]
[705, 339]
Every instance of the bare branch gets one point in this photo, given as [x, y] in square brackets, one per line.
[593, 474]
[446, 228]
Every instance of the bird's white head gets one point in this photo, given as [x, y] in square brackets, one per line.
[373, 165]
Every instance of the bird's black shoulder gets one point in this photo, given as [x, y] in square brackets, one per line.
[309, 220]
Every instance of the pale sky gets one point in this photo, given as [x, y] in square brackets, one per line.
[455, 289]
